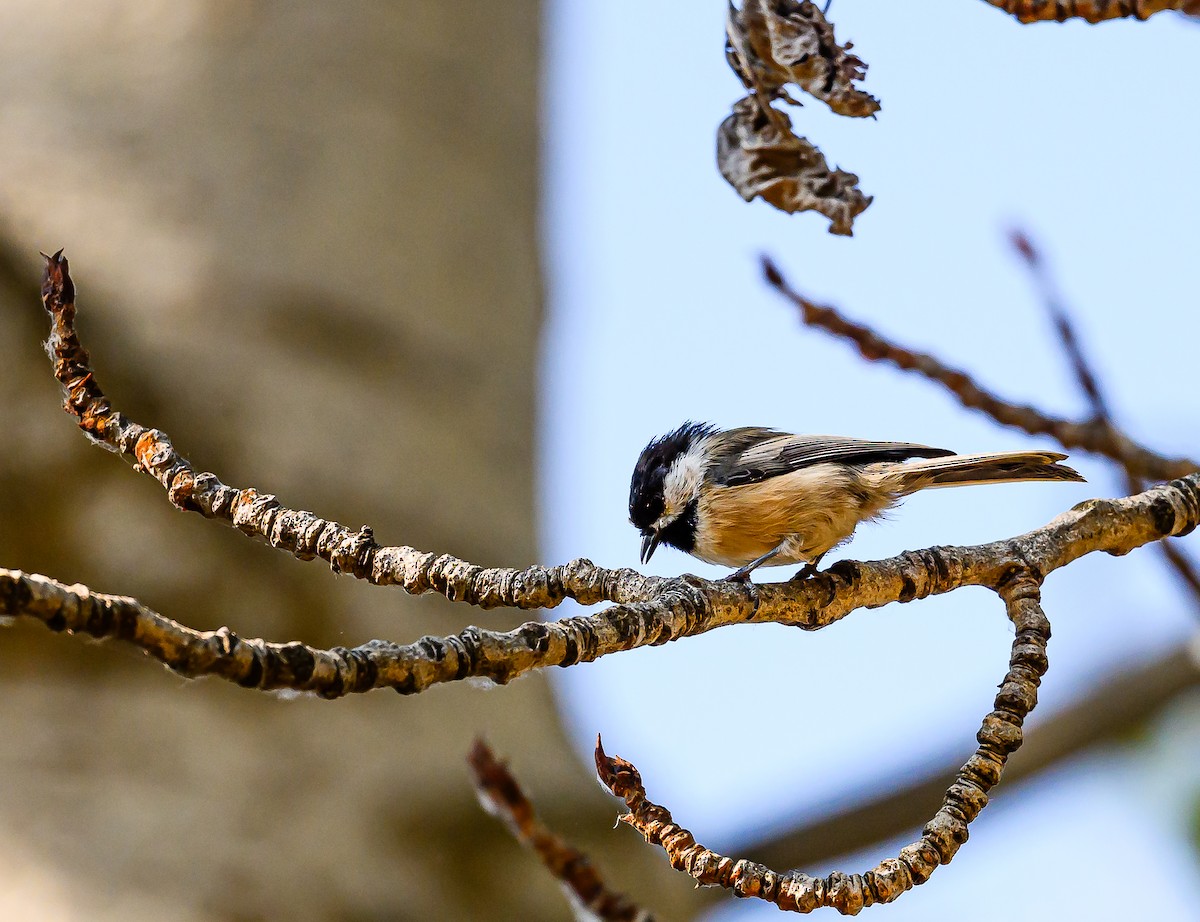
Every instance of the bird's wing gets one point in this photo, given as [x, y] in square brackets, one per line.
[753, 455]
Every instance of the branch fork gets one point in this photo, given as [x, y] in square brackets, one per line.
[647, 611]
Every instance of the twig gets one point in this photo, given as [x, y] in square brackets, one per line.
[663, 610]
[1093, 11]
[1052, 301]
[1184, 567]
[302, 534]
[1105, 711]
[1089, 384]
[502, 797]
[1085, 435]
[408, 668]
[796, 891]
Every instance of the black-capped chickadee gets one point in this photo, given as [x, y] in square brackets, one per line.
[752, 497]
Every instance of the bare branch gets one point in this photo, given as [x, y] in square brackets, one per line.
[302, 534]
[502, 797]
[796, 891]
[1089, 384]
[1063, 325]
[1108, 710]
[666, 609]
[1093, 11]
[661, 611]
[1113, 708]
[1085, 435]
[1184, 567]
[682, 608]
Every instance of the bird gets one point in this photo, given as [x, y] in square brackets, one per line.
[753, 496]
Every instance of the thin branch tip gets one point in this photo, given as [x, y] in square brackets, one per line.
[1088, 434]
[770, 271]
[55, 262]
[601, 757]
[1022, 243]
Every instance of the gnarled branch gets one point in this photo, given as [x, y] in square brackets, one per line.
[1111, 708]
[999, 736]
[684, 607]
[1116, 706]
[650, 611]
[302, 534]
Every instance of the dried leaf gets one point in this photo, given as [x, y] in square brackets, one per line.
[775, 42]
[759, 155]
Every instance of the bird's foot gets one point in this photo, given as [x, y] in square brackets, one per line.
[807, 571]
[741, 575]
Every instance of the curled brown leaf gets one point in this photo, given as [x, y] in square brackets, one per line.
[771, 43]
[759, 156]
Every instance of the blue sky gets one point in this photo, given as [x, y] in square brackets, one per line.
[1086, 136]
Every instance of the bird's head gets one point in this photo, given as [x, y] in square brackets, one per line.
[665, 488]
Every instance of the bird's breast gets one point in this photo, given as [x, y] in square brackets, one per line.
[809, 511]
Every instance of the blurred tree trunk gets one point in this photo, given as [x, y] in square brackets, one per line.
[345, 195]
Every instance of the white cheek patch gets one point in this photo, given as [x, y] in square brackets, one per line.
[680, 486]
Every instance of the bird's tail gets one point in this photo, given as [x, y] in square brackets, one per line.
[966, 470]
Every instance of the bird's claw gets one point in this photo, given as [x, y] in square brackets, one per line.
[805, 572]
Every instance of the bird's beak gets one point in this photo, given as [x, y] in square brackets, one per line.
[649, 543]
